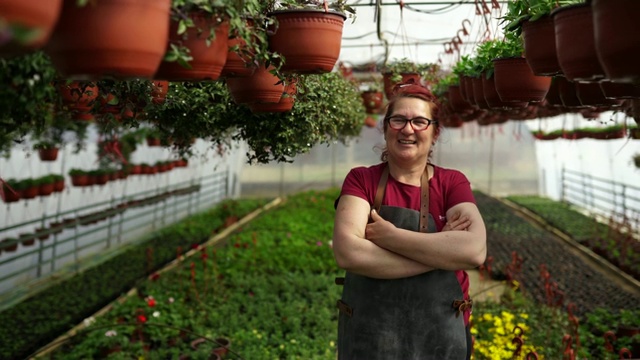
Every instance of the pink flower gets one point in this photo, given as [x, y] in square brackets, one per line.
[319, 243]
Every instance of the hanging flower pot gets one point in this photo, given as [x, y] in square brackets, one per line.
[515, 81]
[58, 185]
[8, 193]
[619, 90]
[617, 40]
[30, 190]
[309, 40]
[239, 63]
[553, 95]
[119, 38]
[478, 92]
[159, 91]
[36, 16]
[153, 141]
[540, 46]
[79, 97]
[389, 83]
[493, 99]
[466, 88]
[48, 153]
[457, 102]
[285, 104]
[568, 93]
[372, 100]
[575, 45]
[590, 94]
[208, 59]
[262, 86]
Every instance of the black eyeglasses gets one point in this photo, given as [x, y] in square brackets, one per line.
[419, 123]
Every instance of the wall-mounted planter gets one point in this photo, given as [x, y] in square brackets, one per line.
[309, 40]
[119, 38]
[208, 61]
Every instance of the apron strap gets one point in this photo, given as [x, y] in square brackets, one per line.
[424, 198]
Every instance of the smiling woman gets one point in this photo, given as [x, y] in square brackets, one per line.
[405, 231]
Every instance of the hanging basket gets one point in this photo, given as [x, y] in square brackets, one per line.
[553, 95]
[262, 86]
[35, 15]
[284, 105]
[372, 101]
[118, 38]
[208, 61]
[493, 99]
[478, 92]
[79, 97]
[618, 90]
[309, 40]
[540, 46]
[568, 93]
[516, 82]
[389, 84]
[617, 39]
[48, 154]
[590, 94]
[457, 103]
[575, 45]
[238, 63]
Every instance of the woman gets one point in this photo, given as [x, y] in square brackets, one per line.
[405, 230]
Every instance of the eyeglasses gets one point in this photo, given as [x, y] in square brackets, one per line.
[417, 123]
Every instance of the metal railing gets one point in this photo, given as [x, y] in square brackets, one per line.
[608, 199]
[66, 242]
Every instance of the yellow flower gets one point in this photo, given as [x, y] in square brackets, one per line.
[332, 344]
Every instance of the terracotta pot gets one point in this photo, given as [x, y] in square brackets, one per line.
[151, 141]
[457, 102]
[30, 192]
[370, 121]
[58, 186]
[79, 97]
[372, 101]
[262, 86]
[9, 245]
[285, 104]
[9, 195]
[467, 93]
[118, 38]
[540, 46]
[40, 16]
[42, 234]
[102, 179]
[239, 62]
[553, 95]
[568, 93]
[478, 92]
[516, 82]
[463, 87]
[309, 40]
[590, 94]
[617, 39]
[575, 44]
[208, 61]
[618, 90]
[80, 180]
[389, 84]
[493, 99]
[48, 154]
[45, 189]
[159, 91]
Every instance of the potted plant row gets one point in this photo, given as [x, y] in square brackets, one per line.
[30, 188]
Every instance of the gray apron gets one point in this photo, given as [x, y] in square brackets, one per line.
[418, 317]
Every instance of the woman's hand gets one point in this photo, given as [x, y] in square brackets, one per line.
[457, 222]
[379, 230]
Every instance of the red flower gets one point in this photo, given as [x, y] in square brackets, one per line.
[154, 276]
[237, 245]
[142, 319]
[151, 302]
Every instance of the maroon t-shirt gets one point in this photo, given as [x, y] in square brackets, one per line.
[447, 188]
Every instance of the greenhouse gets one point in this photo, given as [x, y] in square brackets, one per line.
[319, 179]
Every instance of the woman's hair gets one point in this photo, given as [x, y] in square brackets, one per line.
[413, 90]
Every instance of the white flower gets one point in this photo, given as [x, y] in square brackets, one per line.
[156, 314]
[111, 333]
[171, 300]
[88, 321]
[36, 77]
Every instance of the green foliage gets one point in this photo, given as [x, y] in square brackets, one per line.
[405, 66]
[335, 5]
[519, 11]
[442, 85]
[466, 66]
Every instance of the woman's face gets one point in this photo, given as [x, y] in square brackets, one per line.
[407, 144]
